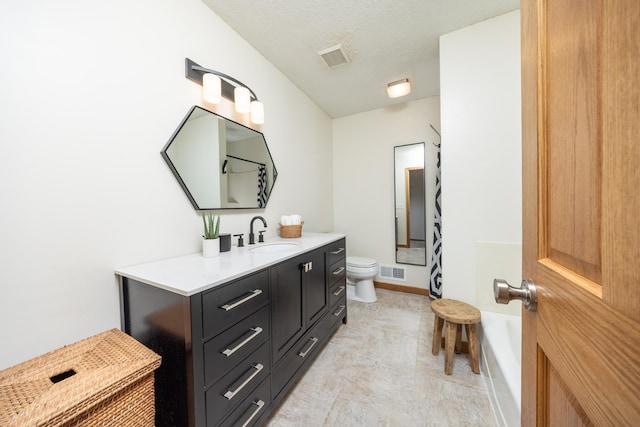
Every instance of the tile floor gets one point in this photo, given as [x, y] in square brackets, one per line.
[378, 370]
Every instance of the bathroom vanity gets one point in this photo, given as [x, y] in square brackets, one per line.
[235, 332]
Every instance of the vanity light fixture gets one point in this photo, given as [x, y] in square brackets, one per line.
[398, 88]
[216, 85]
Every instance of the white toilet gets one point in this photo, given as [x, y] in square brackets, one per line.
[360, 274]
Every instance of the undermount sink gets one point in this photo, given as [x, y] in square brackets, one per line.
[274, 247]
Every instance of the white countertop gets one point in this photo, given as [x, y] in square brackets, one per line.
[189, 274]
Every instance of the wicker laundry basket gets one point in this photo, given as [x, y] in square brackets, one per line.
[104, 380]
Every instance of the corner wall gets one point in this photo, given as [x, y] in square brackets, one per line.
[481, 147]
[364, 179]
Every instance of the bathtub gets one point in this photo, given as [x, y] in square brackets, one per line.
[501, 342]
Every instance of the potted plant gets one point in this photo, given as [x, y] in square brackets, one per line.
[210, 242]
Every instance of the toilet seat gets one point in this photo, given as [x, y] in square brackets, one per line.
[360, 262]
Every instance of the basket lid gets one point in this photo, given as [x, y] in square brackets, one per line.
[93, 368]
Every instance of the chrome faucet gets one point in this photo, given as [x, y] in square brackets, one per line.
[252, 237]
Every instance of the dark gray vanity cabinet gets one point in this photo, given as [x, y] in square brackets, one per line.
[215, 347]
[231, 353]
[299, 298]
[301, 318]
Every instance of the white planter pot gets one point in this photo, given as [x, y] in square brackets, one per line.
[210, 248]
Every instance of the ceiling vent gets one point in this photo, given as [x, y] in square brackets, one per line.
[334, 56]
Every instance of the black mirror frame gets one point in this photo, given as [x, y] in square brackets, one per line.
[395, 199]
[183, 185]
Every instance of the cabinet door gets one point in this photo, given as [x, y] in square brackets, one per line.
[315, 287]
[287, 318]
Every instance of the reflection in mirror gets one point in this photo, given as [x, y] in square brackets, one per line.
[411, 233]
[220, 164]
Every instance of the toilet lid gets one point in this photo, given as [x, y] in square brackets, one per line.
[356, 261]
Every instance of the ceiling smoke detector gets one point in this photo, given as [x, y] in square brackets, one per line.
[334, 56]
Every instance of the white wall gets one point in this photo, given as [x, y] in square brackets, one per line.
[481, 147]
[363, 178]
[91, 92]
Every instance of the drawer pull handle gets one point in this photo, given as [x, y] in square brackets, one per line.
[338, 271]
[231, 305]
[339, 291]
[248, 376]
[337, 313]
[259, 405]
[254, 333]
[338, 251]
[314, 341]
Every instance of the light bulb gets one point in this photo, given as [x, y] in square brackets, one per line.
[257, 112]
[242, 99]
[211, 88]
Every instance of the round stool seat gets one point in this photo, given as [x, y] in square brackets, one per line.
[455, 311]
[456, 314]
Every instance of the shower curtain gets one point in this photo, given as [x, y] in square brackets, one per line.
[435, 285]
[262, 186]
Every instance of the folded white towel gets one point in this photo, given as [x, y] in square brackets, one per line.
[294, 219]
[286, 220]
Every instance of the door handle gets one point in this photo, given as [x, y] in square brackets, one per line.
[254, 332]
[259, 404]
[304, 353]
[229, 394]
[338, 271]
[504, 292]
[339, 291]
[231, 305]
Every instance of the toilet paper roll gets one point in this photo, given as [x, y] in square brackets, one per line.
[296, 219]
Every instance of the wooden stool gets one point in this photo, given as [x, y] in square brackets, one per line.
[456, 313]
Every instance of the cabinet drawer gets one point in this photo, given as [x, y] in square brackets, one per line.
[338, 311]
[336, 251]
[337, 272]
[235, 386]
[253, 409]
[233, 345]
[337, 292]
[224, 306]
[304, 350]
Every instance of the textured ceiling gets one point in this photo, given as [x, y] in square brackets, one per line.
[386, 40]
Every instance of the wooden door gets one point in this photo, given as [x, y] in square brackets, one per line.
[581, 211]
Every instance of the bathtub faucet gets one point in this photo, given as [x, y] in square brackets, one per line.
[252, 237]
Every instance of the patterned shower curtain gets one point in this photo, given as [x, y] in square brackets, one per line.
[262, 186]
[435, 285]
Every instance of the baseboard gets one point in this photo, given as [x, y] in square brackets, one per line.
[402, 288]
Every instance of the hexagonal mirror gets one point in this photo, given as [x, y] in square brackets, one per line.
[220, 164]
